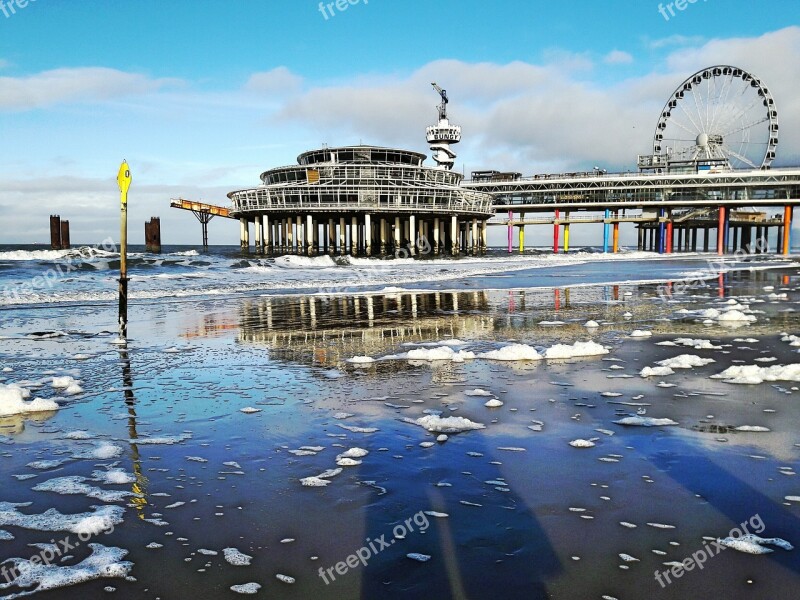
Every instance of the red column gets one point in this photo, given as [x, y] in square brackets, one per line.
[669, 233]
[721, 232]
[555, 233]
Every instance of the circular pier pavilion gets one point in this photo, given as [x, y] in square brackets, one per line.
[362, 200]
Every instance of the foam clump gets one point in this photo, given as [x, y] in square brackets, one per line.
[68, 384]
[438, 424]
[439, 353]
[579, 443]
[75, 485]
[12, 402]
[104, 562]
[640, 333]
[656, 372]
[752, 429]
[236, 558]
[493, 403]
[575, 350]
[685, 361]
[753, 544]
[513, 352]
[753, 374]
[478, 392]
[360, 360]
[645, 422]
[100, 519]
[246, 588]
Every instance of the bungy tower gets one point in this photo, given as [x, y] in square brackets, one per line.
[441, 136]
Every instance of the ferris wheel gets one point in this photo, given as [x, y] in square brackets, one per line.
[721, 114]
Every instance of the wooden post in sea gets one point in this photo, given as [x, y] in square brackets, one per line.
[124, 181]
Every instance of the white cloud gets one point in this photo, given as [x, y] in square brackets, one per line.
[674, 40]
[87, 84]
[618, 57]
[277, 81]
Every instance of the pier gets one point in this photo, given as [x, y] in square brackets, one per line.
[704, 175]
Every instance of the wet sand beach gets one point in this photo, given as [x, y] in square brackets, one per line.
[304, 430]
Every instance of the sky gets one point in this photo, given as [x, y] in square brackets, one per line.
[201, 96]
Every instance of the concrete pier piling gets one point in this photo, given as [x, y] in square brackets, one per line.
[152, 235]
[59, 233]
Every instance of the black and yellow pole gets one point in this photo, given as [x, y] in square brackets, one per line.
[124, 181]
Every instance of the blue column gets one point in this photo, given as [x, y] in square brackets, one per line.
[662, 237]
[605, 232]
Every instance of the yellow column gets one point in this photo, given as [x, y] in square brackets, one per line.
[521, 239]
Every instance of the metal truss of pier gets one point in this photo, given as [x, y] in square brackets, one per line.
[658, 198]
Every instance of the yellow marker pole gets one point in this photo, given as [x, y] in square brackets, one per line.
[124, 181]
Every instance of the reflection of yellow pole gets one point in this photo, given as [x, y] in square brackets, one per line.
[124, 182]
[521, 239]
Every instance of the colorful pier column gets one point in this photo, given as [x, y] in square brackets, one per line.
[605, 231]
[510, 230]
[615, 238]
[787, 229]
[670, 232]
[727, 230]
[661, 231]
[556, 232]
[566, 234]
[521, 239]
[721, 236]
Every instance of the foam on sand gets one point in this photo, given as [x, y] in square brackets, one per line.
[656, 372]
[577, 349]
[582, 443]
[75, 485]
[438, 424]
[246, 588]
[645, 422]
[753, 374]
[100, 519]
[69, 385]
[103, 562]
[512, 352]
[12, 402]
[685, 361]
[753, 544]
[478, 392]
[236, 558]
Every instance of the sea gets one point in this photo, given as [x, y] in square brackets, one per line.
[526, 425]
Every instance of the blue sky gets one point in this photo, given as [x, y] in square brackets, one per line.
[202, 96]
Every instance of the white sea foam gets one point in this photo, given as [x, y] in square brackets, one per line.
[478, 392]
[512, 352]
[754, 374]
[645, 422]
[12, 402]
[103, 562]
[753, 544]
[656, 372]
[493, 403]
[246, 588]
[236, 558]
[100, 519]
[578, 349]
[438, 424]
[75, 485]
[685, 361]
